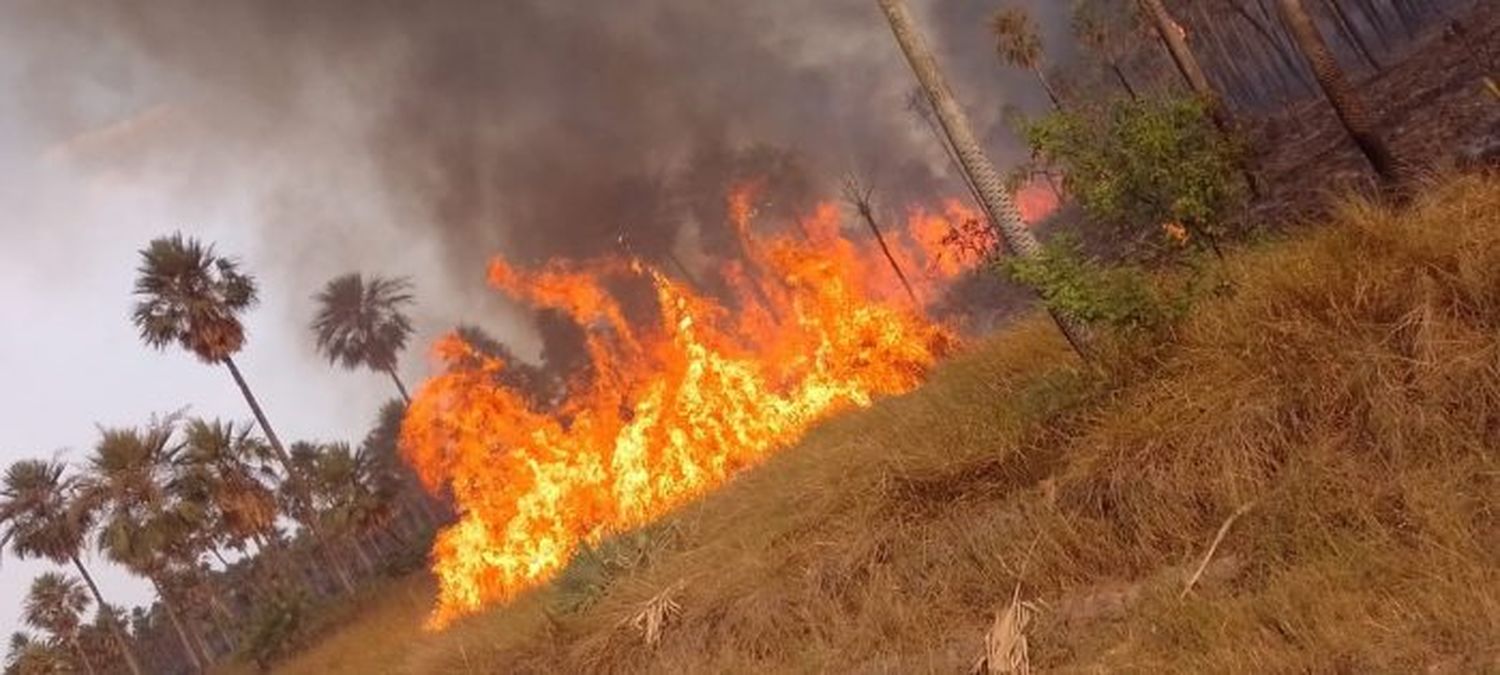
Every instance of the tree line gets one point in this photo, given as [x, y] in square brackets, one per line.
[288, 524]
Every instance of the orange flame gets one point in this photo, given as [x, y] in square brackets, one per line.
[674, 408]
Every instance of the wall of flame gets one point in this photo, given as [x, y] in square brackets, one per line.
[818, 325]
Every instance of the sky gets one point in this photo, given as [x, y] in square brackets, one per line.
[309, 140]
[68, 251]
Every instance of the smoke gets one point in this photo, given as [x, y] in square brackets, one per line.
[425, 137]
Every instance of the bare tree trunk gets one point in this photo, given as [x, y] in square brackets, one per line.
[922, 107]
[182, 636]
[1173, 35]
[996, 203]
[1351, 33]
[1175, 38]
[83, 655]
[1041, 76]
[1114, 66]
[299, 486]
[114, 626]
[682, 269]
[863, 205]
[362, 554]
[219, 613]
[1276, 47]
[399, 386]
[1377, 23]
[1346, 103]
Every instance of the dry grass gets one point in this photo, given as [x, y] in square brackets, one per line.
[1350, 389]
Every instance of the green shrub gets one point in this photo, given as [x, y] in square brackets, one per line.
[1123, 298]
[277, 627]
[1157, 171]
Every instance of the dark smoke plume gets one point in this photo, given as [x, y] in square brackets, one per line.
[532, 128]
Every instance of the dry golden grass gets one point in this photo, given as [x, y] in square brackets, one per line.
[1349, 389]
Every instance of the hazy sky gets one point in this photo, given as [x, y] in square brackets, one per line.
[68, 243]
[310, 139]
[69, 236]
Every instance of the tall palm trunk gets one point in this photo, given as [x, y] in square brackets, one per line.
[976, 165]
[401, 387]
[1041, 77]
[1171, 33]
[1351, 33]
[83, 655]
[182, 636]
[299, 486]
[114, 626]
[1346, 102]
[360, 554]
[1124, 81]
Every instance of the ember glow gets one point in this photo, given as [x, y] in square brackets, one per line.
[675, 406]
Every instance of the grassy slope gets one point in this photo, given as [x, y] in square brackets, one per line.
[1349, 391]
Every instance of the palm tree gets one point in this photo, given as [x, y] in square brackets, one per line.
[1017, 44]
[1347, 103]
[1175, 38]
[144, 528]
[191, 297]
[29, 656]
[354, 497]
[382, 445]
[360, 323]
[39, 519]
[996, 202]
[220, 469]
[56, 604]
[1093, 27]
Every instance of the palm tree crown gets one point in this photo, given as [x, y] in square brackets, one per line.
[41, 516]
[220, 470]
[360, 321]
[56, 604]
[191, 297]
[36, 517]
[130, 479]
[1016, 40]
[29, 656]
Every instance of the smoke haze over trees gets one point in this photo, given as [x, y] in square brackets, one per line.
[535, 128]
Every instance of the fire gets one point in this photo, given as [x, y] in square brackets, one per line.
[676, 405]
[1036, 200]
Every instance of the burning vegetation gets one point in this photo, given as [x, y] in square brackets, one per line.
[676, 401]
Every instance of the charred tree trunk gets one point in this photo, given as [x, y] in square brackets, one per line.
[1351, 34]
[1114, 66]
[863, 206]
[1175, 38]
[1347, 104]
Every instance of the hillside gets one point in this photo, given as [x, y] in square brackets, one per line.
[1344, 399]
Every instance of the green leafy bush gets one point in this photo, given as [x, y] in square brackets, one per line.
[276, 628]
[1123, 298]
[1155, 170]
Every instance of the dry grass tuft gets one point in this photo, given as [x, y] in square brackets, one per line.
[1349, 388]
[656, 614]
[1005, 646]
